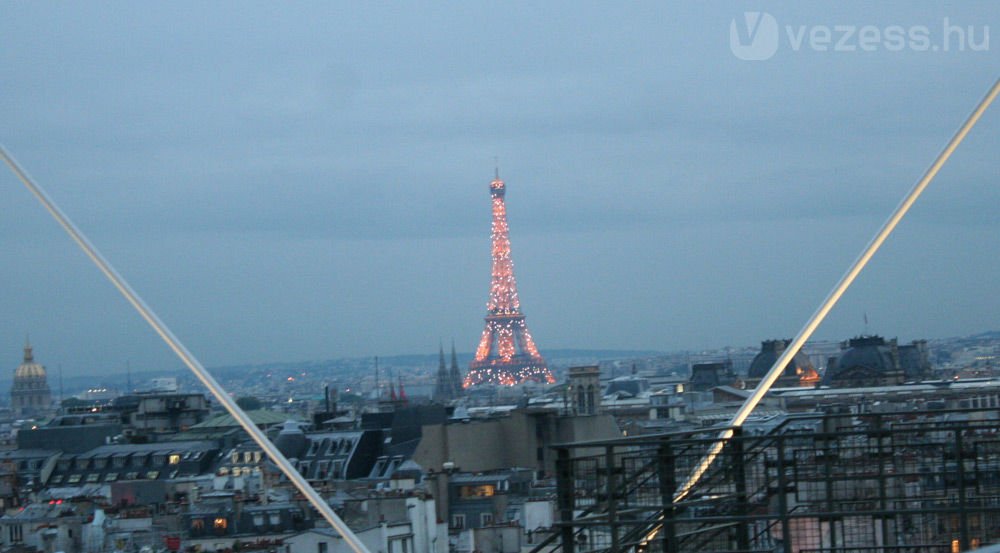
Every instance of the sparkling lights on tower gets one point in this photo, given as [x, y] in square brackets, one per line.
[506, 354]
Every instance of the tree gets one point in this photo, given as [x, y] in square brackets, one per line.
[249, 403]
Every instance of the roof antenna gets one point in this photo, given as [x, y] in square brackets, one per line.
[496, 167]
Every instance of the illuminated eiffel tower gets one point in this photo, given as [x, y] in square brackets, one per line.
[506, 354]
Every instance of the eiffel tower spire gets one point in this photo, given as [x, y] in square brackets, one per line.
[506, 354]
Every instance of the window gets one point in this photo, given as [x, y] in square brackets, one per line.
[74, 478]
[119, 460]
[486, 490]
[258, 519]
[257, 455]
[458, 521]
[16, 533]
[100, 462]
[111, 477]
[82, 462]
[57, 479]
[234, 457]
[247, 457]
[159, 459]
[197, 524]
[486, 519]
[175, 459]
[152, 475]
[131, 475]
[93, 477]
[220, 523]
[321, 547]
[274, 518]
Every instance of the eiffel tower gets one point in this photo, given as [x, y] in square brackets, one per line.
[506, 354]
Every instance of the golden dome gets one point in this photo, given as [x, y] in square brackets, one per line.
[29, 369]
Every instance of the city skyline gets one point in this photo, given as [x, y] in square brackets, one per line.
[273, 203]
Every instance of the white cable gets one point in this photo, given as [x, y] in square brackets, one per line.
[187, 357]
[845, 282]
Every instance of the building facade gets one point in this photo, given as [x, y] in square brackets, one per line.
[30, 394]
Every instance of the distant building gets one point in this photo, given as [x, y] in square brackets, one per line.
[915, 360]
[522, 438]
[322, 456]
[705, 376]
[866, 361]
[448, 385]
[799, 371]
[43, 527]
[30, 394]
[584, 389]
[71, 433]
[154, 413]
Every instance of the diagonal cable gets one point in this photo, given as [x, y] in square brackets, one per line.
[831, 300]
[187, 357]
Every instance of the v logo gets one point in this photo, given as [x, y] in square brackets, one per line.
[756, 39]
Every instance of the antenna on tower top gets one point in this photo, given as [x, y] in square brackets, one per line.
[496, 167]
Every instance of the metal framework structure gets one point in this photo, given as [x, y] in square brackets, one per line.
[506, 354]
[903, 482]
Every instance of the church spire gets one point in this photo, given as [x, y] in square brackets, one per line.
[455, 375]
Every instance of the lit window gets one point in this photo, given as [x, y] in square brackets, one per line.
[247, 456]
[220, 523]
[486, 490]
[111, 477]
[197, 524]
[175, 459]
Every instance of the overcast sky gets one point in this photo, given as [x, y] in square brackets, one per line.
[307, 181]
